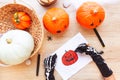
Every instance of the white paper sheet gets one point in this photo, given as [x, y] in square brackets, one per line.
[67, 71]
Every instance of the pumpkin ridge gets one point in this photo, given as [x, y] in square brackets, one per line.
[22, 15]
[85, 16]
[25, 25]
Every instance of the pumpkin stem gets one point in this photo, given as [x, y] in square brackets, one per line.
[66, 51]
[9, 41]
[54, 19]
[94, 11]
[16, 18]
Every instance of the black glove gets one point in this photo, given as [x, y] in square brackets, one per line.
[95, 55]
[49, 64]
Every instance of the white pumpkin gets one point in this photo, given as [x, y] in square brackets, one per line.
[15, 47]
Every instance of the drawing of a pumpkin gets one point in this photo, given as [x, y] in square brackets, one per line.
[69, 58]
[90, 15]
[56, 20]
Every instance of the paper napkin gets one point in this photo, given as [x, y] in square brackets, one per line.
[67, 71]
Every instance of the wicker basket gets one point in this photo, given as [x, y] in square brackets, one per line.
[36, 29]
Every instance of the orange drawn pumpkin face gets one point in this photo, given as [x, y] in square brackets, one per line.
[90, 15]
[21, 20]
[56, 20]
[69, 58]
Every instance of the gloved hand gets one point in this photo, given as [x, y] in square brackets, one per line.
[95, 55]
[49, 64]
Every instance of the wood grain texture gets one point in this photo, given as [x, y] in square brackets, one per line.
[109, 31]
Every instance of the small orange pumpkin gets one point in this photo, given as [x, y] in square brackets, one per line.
[56, 20]
[90, 15]
[21, 20]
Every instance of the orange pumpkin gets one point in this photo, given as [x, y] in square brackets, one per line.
[90, 15]
[56, 20]
[21, 20]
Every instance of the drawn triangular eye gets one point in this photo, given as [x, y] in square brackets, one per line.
[65, 56]
[92, 24]
[100, 20]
